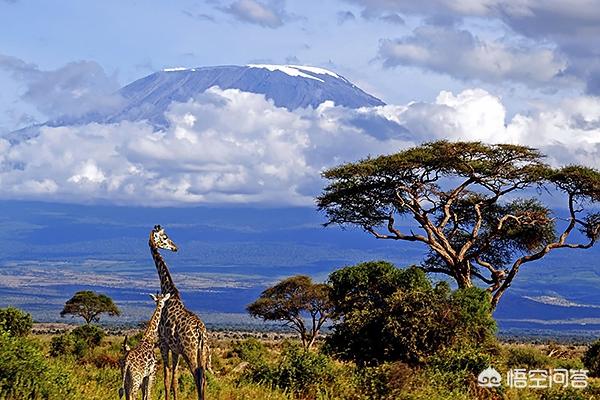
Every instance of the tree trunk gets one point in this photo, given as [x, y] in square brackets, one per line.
[462, 275]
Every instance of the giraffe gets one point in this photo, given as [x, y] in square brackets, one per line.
[139, 364]
[181, 332]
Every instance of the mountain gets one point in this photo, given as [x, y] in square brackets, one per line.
[288, 86]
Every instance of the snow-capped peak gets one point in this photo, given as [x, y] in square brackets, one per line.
[297, 70]
[176, 69]
[316, 70]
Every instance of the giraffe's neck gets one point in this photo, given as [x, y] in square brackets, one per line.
[166, 282]
[151, 332]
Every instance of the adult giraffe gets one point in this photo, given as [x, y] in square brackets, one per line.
[181, 332]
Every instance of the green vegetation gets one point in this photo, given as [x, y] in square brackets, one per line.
[464, 199]
[78, 342]
[395, 335]
[385, 314]
[15, 322]
[295, 300]
[591, 358]
[271, 369]
[89, 306]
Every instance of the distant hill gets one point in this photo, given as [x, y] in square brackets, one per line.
[289, 86]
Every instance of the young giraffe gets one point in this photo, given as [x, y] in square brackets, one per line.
[181, 332]
[139, 365]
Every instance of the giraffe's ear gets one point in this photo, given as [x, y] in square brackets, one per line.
[153, 297]
[167, 296]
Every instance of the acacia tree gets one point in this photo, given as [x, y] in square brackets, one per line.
[90, 305]
[295, 300]
[464, 198]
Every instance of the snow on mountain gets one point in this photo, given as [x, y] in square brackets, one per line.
[289, 86]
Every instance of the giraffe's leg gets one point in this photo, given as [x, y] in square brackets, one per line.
[164, 352]
[197, 368]
[174, 380]
[145, 386]
[151, 383]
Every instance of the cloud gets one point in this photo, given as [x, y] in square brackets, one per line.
[228, 146]
[345, 16]
[224, 147]
[389, 17]
[462, 55]
[572, 27]
[270, 15]
[73, 90]
[199, 16]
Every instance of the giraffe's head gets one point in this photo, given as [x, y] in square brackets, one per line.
[160, 299]
[161, 240]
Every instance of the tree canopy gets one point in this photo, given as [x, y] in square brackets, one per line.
[90, 305]
[382, 313]
[295, 300]
[16, 322]
[474, 206]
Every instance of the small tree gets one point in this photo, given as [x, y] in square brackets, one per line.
[15, 321]
[464, 199]
[90, 305]
[293, 300]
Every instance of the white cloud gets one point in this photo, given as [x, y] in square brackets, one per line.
[467, 57]
[271, 14]
[75, 89]
[226, 147]
[570, 27]
[235, 147]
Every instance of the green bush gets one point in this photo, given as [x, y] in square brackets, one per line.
[565, 394]
[69, 344]
[384, 314]
[297, 370]
[62, 345]
[460, 359]
[569, 363]
[250, 350]
[527, 357]
[15, 321]
[385, 381]
[591, 359]
[25, 373]
[92, 335]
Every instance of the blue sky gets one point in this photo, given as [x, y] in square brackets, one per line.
[524, 71]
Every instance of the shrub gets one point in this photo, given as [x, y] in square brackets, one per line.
[92, 335]
[297, 370]
[385, 381]
[527, 357]
[61, 345]
[25, 373]
[569, 363]
[250, 350]
[384, 314]
[591, 358]
[15, 321]
[467, 359]
[68, 344]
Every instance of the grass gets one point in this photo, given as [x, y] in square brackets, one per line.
[265, 368]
